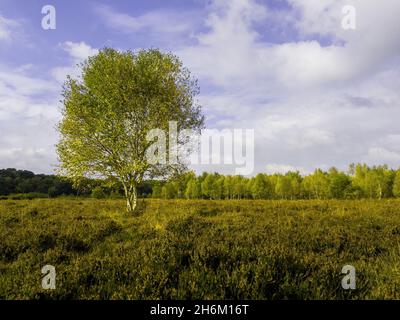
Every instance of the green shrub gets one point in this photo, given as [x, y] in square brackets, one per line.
[98, 193]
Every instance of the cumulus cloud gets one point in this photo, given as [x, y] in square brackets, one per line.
[23, 158]
[231, 52]
[21, 94]
[28, 113]
[77, 53]
[8, 27]
[315, 102]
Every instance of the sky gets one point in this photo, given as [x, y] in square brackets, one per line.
[316, 94]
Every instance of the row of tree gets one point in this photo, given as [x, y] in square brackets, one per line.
[359, 182]
[13, 181]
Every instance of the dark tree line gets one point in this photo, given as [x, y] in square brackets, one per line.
[13, 182]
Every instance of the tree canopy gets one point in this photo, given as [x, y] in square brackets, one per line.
[110, 109]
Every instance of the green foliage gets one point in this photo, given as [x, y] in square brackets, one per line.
[109, 111]
[169, 190]
[193, 189]
[376, 182]
[98, 193]
[200, 249]
[260, 187]
[339, 184]
[396, 185]
[363, 182]
[207, 186]
[283, 187]
[156, 192]
[316, 185]
[13, 181]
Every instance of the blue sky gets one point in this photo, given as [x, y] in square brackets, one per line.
[316, 95]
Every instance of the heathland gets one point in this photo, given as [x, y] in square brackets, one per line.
[200, 249]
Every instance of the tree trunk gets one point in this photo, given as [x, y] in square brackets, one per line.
[131, 198]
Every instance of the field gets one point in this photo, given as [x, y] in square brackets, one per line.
[181, 249]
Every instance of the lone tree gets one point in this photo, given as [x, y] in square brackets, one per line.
[109, 110]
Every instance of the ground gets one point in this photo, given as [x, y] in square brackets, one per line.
[183, 249]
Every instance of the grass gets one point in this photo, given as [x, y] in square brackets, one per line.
[178, 249]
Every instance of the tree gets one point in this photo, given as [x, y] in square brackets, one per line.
[316, 185]
[182, 183]
[260, 187]
[98, 193]
[239, 187]
[375, 182]
[109, 111]
[295, 184]
[283, 187]
[193, 189]
[339, 183]
[228, 187]
[156, 191]
[217, 190]
[52, 192]
[169, 190]
[207, 186]
[396, 185]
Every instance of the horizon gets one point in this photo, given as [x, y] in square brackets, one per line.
[271, 173]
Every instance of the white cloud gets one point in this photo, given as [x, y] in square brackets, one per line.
[7, 28]
[382, 154]
[232, 54]
[26, 158]
[21, 94]
[28, 113]
[283, 168]
[373, 43]
[311, 102]
[163, 25]
[77, 53]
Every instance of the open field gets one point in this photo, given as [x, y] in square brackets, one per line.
[181, 249]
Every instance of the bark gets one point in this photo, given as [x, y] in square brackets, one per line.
[131, 198]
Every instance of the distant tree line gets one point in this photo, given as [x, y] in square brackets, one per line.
[359, 182]
[14, 181]
[22, 182]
